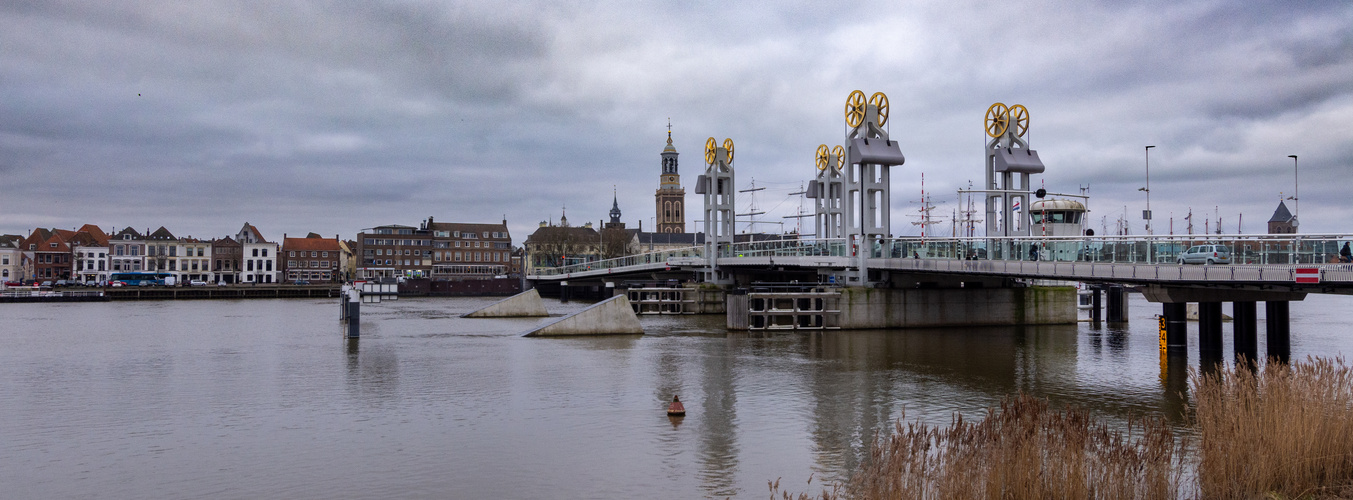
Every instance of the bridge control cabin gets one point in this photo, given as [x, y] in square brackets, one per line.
[1063, 218]
[1058, 218]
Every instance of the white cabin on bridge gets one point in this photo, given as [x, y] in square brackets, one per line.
[1057, 218]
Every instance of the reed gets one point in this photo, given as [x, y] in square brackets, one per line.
[1023, 450]
[1283, 432]
[1286, 431]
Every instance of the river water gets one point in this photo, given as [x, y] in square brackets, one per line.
[265, 399]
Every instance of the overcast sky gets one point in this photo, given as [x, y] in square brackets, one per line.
[332, 117]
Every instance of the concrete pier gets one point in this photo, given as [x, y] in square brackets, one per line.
[1209, 330]
[613, 316]
[523, 305]
[1244, 336]
[1278, 326]
[1176, 327]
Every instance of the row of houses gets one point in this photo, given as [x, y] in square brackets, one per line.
[89, 254]
[438, 250]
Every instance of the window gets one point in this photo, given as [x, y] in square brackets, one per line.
[5, 260]
[269, 263]
[4, 273]
[314, 263]
[455, 234]
[326, 255]
[255, 255]
[200, 251]
[265, 252]
[486, 234]
[250, 265]
[314, 254]
[291, 254]
[173, 251]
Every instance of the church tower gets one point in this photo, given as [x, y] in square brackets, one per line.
[671, 199]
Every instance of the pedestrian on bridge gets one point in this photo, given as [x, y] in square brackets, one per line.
[1345, 255]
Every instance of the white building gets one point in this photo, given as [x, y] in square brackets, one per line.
[258, 260]
[10, 259]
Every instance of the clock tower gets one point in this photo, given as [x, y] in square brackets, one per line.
[671, 199]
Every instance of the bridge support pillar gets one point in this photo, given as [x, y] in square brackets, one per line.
[1176, 327]
[563, 292]
[1244, 331]
[1209, 332]
[1096, 306]
[1117, 306]
[1277, 324]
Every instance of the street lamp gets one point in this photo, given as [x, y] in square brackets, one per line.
[1296, 190]
[1147, 215]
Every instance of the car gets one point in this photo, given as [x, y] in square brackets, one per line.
[1205, 254]
[118, 284]
[197, 283]
[47, 284]
[220, 283]
[301, 282]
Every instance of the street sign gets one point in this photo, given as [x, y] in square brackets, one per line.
[1307, 274]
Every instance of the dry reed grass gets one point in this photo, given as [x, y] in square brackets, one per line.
[1286, 431]
[1024, 450]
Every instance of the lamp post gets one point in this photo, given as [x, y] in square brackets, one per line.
[1296, 190]
[1147, 215]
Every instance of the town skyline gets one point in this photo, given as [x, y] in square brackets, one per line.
[333, 118]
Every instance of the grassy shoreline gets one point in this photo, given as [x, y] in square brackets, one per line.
[1284, 431]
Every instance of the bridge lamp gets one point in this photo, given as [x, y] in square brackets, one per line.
[1147, 214]
[1296, 201]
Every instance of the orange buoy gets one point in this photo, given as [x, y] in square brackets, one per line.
[676, 409]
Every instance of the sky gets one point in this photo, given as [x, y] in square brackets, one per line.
[333, 117]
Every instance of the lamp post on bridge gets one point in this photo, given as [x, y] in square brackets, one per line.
[1147, 214]
[1296, 191]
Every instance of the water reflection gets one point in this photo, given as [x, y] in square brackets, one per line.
[719, 423]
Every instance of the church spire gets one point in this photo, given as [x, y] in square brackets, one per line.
[615, 207]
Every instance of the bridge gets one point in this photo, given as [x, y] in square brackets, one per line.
[882, 281]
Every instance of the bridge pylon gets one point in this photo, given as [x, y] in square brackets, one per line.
[720, 198]
[1009, 163]
[828, 193]
[868, 155]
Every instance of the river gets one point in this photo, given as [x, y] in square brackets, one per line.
[265, 399]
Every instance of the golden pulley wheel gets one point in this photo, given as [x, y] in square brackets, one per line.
[855, 108]
[880, 101]
[709, 150]
[998, 119]
[728, 146]
[1019, 116]
[821, 157]
[840, 154]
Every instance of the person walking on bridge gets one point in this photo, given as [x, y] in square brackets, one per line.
[1345, 255]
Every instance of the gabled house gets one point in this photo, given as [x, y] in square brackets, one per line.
[258, 256]
[11, 269]
[89, 251]
[127, 251]
[46, 254]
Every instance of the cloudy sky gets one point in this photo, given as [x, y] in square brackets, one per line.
[332, 117]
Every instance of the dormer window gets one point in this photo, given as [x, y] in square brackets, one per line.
[126, 237]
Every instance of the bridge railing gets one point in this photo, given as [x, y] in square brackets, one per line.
[1245, 249]
[650, 258]
[787, 248]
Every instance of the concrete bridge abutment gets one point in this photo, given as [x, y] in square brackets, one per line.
[862, 307]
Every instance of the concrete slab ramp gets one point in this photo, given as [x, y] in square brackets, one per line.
[613, 316]
[523, 305]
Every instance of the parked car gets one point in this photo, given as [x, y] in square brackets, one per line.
[302, 282]
[197, 283]
[118, 284]
[1206, 254]
[47, 284]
